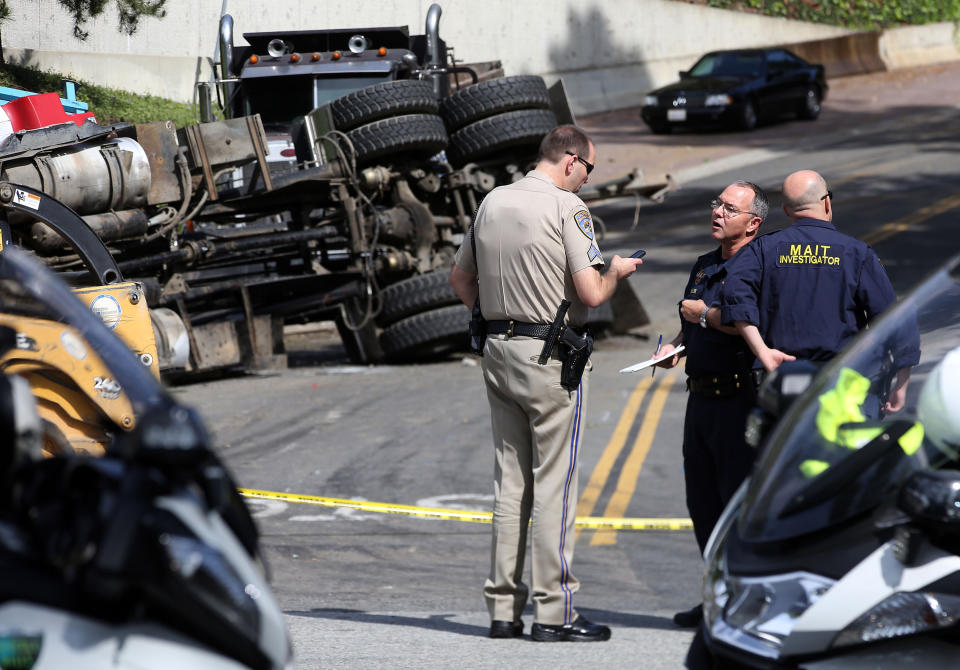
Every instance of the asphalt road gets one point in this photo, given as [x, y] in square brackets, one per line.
[371, 590]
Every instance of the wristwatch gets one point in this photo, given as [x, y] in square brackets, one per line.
[703, 317]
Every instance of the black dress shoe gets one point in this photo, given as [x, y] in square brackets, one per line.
[503, 629]
[580, 630]
[690, 618]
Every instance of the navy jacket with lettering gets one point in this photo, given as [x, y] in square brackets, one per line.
[710, 351]
[808, 288]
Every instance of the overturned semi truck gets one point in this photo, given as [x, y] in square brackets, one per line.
[338, 187]
[419, 140]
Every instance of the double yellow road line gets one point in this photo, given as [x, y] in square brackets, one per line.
[630, 470]
[924, 213]
[606, 526]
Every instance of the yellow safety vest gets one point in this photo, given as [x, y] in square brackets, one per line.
[841, 405]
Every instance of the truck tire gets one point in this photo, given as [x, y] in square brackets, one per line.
[415, 136]
[495, 96]
[428, 334]
[511, 130]
[414, 295]
[380, 101]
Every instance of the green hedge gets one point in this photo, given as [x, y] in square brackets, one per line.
[108, 104]
[860, 14]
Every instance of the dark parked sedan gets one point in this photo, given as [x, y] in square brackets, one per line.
[736, 89]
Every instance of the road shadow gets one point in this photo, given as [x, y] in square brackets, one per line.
[627, 619]
[870, 203]
[444, 623]
[437, 622]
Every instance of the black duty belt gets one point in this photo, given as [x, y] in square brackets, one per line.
[722, 384]
[511, 328]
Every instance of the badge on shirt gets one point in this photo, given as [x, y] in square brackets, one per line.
[809, 255]
[700, 276]
[584, 223]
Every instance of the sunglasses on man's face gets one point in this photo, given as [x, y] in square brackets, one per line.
[587, 165]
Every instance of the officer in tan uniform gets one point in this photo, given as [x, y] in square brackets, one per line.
[531, 247]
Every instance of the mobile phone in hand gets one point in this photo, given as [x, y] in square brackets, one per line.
[639, 253]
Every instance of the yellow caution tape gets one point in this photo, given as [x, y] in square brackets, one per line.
[462, 515]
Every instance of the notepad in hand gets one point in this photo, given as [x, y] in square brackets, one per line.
[653, 361]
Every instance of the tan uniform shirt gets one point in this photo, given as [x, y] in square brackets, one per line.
[531, 237]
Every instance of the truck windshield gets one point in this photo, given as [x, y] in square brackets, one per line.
[278, 100]
[331, 88]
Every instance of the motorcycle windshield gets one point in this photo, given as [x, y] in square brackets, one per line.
[28, 287]
[836, 453]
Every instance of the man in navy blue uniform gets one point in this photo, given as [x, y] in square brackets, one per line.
[805, 291]
[716, 458]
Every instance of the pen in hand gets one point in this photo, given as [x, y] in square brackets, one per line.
[659, 343]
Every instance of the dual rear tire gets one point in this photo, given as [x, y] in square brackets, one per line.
[500, 118]
[422, 318]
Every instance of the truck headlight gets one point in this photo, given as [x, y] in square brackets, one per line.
[650, 100]
[901, 614]
[717, 100]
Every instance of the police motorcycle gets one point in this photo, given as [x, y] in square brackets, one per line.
[145, 557]
[842, 550]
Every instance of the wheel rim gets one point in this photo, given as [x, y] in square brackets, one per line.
[749, 116]
[813, 103]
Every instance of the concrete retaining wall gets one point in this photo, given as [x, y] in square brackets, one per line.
[608, 52]
[919, 45]
[842, 56]
[891, 49]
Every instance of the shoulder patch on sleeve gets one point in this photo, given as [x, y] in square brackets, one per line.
[593, 253]
[584, 223]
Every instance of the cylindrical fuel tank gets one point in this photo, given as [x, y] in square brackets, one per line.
[90, 178]
[108, 226]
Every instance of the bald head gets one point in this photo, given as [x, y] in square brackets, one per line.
[803, 193]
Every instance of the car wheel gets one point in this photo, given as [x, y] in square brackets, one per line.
[748, 116]
[810, 105]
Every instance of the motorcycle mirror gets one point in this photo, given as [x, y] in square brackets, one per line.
[932, 498]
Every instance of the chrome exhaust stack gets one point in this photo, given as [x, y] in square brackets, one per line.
[435, 64]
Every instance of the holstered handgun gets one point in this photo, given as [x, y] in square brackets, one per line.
[478, 329]
[553, 335]
[575, 351]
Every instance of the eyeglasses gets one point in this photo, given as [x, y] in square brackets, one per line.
[828, 195]
[587, 165]
[729, 211]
